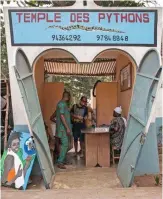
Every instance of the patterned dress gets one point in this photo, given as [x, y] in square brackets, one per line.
[117, 131]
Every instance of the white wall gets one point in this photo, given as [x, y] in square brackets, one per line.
[159, 97]
[83, 54]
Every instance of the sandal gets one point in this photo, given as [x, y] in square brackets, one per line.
[61, 166]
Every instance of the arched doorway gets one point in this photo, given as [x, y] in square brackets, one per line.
[137, 102]
[54, 62]
[106, 66]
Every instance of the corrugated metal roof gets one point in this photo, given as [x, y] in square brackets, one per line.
[101, 67]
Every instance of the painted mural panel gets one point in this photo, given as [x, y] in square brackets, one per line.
[17, 160]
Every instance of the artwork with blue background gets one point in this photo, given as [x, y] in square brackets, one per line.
[77, 27]
[17, 160]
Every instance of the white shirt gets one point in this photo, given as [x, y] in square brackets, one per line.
[17, 163]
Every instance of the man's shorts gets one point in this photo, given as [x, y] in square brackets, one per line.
[77, 127]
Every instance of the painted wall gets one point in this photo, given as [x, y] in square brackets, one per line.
[39, 79]
[53, 89]
[124, 98]
[52, 94]
[106, 101]
[82, 54]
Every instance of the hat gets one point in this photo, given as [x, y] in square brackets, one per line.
[118, 110]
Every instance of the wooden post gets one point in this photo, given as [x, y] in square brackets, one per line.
[7, 113]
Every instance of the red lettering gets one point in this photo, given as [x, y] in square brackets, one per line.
[145, 18]
[123, 17]
[26, 17]
[116, 17]
[131, 17]
[138, 17]
[86, 17]
[128, 17]
[19, 16]
[33, 17]
[101, 16]
[47, 18]
[57, 17]
[79, 17]
[109, 16]
[41, 16]
[134, 17]
[72, 17]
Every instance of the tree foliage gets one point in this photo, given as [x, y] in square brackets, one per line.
[105, 3]
[79, 86]
[122, 3]
[4, 60]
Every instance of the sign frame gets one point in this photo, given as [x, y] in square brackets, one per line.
[122, 89]
[82, 44]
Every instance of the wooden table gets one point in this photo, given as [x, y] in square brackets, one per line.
[97, 149]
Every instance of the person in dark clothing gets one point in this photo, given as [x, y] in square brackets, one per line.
[79, 112]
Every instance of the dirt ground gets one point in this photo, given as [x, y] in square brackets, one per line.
[78, 182]
[148, 181]
[90, 177]
[91, 183]
[100, 193]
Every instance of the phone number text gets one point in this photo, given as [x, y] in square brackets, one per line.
[111, 38]
[66, 37]
[102, 38]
